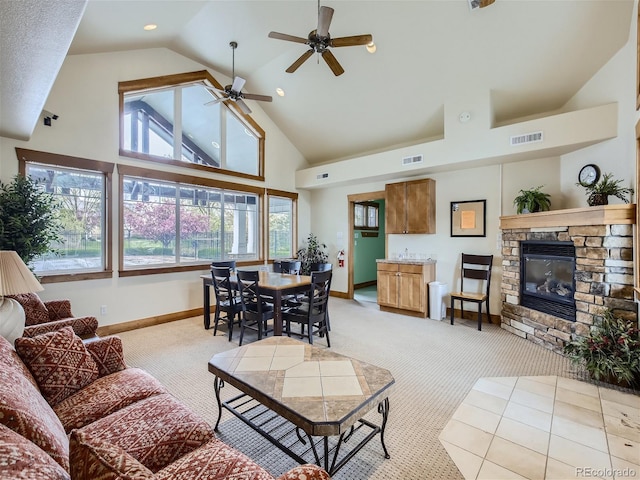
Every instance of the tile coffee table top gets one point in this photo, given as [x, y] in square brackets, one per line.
[322, 392]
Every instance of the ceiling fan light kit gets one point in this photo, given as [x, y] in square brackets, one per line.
[320, 41]
[234, 92]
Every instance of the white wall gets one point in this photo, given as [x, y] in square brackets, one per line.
[85, 96]
[498, 184]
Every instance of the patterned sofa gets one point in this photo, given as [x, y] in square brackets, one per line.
[74, 410]
[43, 317]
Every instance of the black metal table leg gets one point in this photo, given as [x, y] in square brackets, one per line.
[217, 385]
[383, 409]
[206, 308]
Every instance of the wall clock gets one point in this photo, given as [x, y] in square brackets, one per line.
[589, 175]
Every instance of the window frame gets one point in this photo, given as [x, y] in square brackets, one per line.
[95, 166]
[182, 79]
[366, 206]
[294, 221]
[162, 176]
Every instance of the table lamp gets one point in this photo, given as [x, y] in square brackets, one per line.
[15, 278]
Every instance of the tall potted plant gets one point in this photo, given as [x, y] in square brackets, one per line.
[532, 200]
[314, 252]
[29, 222]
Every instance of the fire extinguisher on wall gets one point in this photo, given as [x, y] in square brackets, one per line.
[341, 258]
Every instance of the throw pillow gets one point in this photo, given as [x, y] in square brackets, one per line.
[59, 362]
[108, 355]
[35, 312]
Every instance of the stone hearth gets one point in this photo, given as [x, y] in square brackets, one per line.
[603, 276]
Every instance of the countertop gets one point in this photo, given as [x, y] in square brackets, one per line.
[409, 261]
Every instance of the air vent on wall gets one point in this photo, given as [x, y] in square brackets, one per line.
[412, 160]
[526, 138]
[322, 175]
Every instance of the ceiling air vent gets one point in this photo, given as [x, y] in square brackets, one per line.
[526, 138]
[412, 160]
[322, 175]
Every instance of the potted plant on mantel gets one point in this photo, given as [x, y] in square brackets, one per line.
[610, 352]
[532, 200]
[598, 193]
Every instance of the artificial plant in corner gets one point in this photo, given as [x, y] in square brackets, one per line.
[314, 252]
[29, 222]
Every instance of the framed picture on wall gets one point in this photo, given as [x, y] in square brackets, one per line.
[469, 218]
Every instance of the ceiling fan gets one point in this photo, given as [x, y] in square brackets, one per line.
[234, 92]
[319, 41]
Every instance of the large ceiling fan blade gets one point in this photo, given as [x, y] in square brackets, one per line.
[243, 106]
[253, 96]
[238, 83]
[324, 20]
[303, 58]
[335, 67]
[351, 41]
[288, 38]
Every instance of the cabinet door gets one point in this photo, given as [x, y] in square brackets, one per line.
[395, 214]
[411, 294]
[388, 288]
[421, 208]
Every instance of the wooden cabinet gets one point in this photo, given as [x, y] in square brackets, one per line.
[411, 206]
[403, 287]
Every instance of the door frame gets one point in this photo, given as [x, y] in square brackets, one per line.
[351, 199]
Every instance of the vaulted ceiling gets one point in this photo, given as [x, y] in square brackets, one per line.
[529, 56]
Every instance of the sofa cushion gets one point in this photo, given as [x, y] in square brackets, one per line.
[108, 354]
[9, 358]
[105, 396]
[91, 458]
[20, 458]
[155, 431]
[25, 411]
[35, 311]
[59, 362]
[58, 309]
[214, 460]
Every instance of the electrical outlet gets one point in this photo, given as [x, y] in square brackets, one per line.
[103, 309]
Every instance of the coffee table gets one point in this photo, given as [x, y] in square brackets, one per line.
[306, 400]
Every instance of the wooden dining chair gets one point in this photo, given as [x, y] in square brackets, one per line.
[475, 268]
[292, 267]
[230, 264]
[256, 311]
[227, 299]
[312, 312]
[321, 267]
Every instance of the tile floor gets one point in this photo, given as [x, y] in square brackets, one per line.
[544, 427]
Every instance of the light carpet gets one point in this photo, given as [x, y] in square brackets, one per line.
[434, 364]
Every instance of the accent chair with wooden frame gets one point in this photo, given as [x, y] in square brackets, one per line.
[474, 267]
[255, 310]
[227, 299]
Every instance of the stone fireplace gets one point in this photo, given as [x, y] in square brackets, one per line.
[595, 246]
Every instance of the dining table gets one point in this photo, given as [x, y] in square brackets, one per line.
[271, 284]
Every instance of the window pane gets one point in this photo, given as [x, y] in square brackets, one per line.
[241, 147]
[81, 195]
[148, 123]
[149, 211]
[201, 139]
[280, 227]
[154, 213]
[372, 220]
[358, 215]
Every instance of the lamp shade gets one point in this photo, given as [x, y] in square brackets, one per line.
[15, 276]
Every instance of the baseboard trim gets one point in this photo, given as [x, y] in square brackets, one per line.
[370, 283]
[339, 294]
[148, 322]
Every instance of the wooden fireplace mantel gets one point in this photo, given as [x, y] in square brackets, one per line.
[601, 215]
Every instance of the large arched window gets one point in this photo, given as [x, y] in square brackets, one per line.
[154, 112]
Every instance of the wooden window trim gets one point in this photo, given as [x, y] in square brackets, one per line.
[157, 175]
[294, 234]
[106, 168]
[200, 76]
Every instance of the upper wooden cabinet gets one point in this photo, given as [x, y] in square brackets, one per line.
[411, 206]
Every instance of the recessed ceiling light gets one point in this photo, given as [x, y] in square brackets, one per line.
[215, 144]
[280, 91]
[150, 26]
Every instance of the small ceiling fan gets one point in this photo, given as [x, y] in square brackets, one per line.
[319, 41]
[234, 92]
